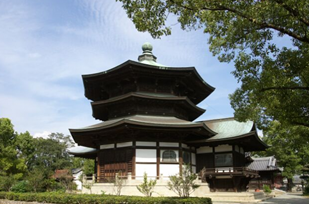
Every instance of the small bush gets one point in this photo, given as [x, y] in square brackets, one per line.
[63, 198]
[21, 187]
[147, 187]
[266, 189]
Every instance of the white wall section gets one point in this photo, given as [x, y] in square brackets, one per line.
[169, 170]
[107, 146]
[193, 158]
[125, 144]
[169, 144]
[147, 144]
[223, 148]
[150, 169]
[205, 149]
[146, 155]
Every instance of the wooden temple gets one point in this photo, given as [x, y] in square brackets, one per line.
[148, 114]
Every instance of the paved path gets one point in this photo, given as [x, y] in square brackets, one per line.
[289, 198]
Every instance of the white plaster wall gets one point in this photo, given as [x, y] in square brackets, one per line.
[223, 148]
[125, 144]
[169, 170]
[193, 158]
[184, 145]
[77, 180]
[148, 144]
[205, 149]
[146, 155]
[193, 169]
[176, 151]
[107, 146]
[150, 169]
[168, 144]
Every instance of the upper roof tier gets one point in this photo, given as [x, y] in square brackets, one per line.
[146, 76]
[140, 103]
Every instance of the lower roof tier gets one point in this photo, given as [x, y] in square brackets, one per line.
[171, 129]
[143, 103]
[143, 128]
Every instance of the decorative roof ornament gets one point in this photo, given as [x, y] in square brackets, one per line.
[147, 57]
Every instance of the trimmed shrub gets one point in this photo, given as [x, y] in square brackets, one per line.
[63, 198]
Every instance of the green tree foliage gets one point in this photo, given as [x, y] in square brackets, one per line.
[290, 147]
[27, 160]
[147, 187]
[11, 166]
[86, 164]
[183, 185]
[274, 78]
[51, 153]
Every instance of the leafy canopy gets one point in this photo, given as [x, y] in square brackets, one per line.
[274, 78]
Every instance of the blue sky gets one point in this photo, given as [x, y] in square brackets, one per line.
[46, 45]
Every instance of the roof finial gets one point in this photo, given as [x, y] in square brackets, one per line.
[147, 53]
[147, 48]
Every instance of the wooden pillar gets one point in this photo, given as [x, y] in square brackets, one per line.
[158, 159]
[180, 159]
[134, 160]
[98, 168]
[214, 158]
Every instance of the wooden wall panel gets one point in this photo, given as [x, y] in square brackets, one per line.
[112, 161]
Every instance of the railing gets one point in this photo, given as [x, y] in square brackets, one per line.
[232, 171]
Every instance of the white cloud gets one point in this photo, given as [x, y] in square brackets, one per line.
[43, 134]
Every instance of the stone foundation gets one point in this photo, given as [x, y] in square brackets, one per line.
[129, 188]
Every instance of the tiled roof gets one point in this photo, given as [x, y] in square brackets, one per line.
[82, 150]
[229, 128]
[263, 164]
[143, 120]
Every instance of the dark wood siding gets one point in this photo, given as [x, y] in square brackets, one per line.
[112, 161]
[204, 160]
[239, 159]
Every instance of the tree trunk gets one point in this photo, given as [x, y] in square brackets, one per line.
[289, 185]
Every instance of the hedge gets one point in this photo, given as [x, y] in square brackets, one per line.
[65, 198]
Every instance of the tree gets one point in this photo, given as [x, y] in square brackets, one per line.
[36, 179]
[12, 167]
[147, 187]
[289, 146]
[51, 154]
[274, 78]
[183, 184]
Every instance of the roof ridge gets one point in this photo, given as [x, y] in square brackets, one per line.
[219, 119]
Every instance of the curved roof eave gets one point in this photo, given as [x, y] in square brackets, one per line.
[85, 76]
[82, 150]
[141, 95]
[132, 121]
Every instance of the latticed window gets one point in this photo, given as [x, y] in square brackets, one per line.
[169, 156]
[186, 157]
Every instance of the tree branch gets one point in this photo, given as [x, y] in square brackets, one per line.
[262, 25]
[285, 88]
[292, 11]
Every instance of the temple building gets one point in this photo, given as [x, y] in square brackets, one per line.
[148, 113]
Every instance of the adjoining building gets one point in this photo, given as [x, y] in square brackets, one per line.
[270, 173]
[149, 112]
